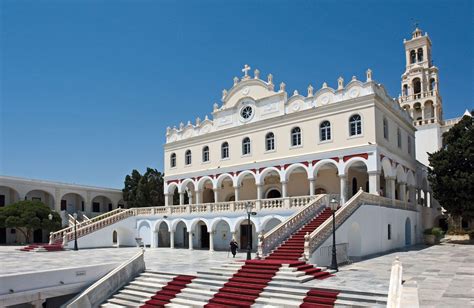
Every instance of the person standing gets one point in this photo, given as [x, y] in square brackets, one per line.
[233, 247]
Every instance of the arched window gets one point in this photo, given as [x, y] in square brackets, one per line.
[225, 150]
[399, 137]
[412, 57]
[420, 54]
[385, 128]
[405, 90]
[173, 160]
[270, 142]
[246, 146]
[296, 136]
[187, 157]
[416, 86]
[355, 125]
[325, 131]
[205, 153]
[432, 84]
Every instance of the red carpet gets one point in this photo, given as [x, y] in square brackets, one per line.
[48, 247]
[293, 248]
[316, 298]
[244, 287]
[165, 295]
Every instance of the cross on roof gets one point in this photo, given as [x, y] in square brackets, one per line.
[246, 70]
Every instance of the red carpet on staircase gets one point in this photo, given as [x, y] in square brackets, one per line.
[47, 247]
[244, 287]
[319, 298]
[168, 292]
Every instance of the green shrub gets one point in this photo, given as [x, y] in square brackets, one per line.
[427, 231]
[437, 232]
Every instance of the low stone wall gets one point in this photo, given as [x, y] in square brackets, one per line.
[100, 291]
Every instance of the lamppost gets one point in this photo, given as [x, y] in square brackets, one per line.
[75, 231]
[334, 203]
[249, 208]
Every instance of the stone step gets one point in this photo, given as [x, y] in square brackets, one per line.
[272, 302]
[137, 293]
[130, 298]
[122, 303]
[188, 303]
[139, 288]
[146, 284]
[202, 286]
[192, 290]
[196, 296]
[110, 305]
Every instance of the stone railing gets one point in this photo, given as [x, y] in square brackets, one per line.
[97, 225]
[395, 287]
[59, 235]
[415, 96]
[318, 236]
[67, 234]
[313, 206]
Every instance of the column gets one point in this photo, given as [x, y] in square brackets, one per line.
[259, 191]
[390, 187]
[171, 239]
[284, 191]
[312, 183]
[154, 239]
[374, 182]
[343, 184]
[167, 199]
[211, 241]
[423, 113]
[403, 192]
[181, 198]
[216, 194]
[236, 193]
[411, 194]
[190, 198]
[198, 197]
[190, 236]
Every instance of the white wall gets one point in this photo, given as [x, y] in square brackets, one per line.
[372, 222]
[428, 139]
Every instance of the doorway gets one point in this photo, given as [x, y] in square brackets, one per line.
[245, 235]
[204, 237]
[38, 236]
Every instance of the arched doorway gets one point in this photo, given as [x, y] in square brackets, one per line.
[163, 236]
[181, 236]
[327, 177]
[101, 204]
[201, 236]
[222, 236]
[7, 196]
[407, 232]
[297, 179]
[114, 238]
[144, 232]
[245, 235]
[248, 187]
[357, 173]
[42, 196]
[273, 193]
[73, 203]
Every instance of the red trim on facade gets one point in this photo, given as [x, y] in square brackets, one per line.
[363, 155]
[305, 163]
[315, 161]
[335, 158]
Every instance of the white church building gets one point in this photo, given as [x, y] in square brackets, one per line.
[285, 156]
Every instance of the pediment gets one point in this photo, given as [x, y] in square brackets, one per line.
[254, 89]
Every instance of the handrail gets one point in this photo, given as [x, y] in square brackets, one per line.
[318, 236]
[268, 241]
[106, 286]
[395, 287]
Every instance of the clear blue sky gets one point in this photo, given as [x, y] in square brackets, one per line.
[88, 87]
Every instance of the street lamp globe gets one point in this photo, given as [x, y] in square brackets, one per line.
[249, 207]
[50, 216]
[75, 215]
[334, 204]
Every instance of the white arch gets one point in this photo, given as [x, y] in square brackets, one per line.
[237, 223]
[203, 180]
[261, 176]
[175, 223]
[266, 219]
[174, 185]
[401, 175]
[195, 221]
[217, 220]
[142, 222]
[292, 167]
[387, 167]
[240, 177]
[185, 183]
[73, 192]
[321, 163]
[222, 177]
[354, 160]
[157, 224]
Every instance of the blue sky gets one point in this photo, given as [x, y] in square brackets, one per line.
[88, 87]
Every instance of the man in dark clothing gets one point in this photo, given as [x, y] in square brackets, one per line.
[233, 247]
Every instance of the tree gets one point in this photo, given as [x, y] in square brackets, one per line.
[27, 216]
[452, 173]
[144, 190]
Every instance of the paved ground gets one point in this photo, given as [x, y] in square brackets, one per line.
[444, 273]
[181, 261]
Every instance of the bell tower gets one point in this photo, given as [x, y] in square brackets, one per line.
[420, 83]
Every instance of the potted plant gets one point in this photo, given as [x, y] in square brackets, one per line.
[428, 237]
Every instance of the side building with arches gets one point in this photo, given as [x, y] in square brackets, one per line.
[64, 198]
